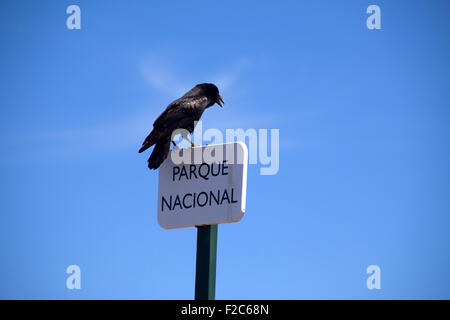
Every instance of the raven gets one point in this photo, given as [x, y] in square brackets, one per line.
[180, 114]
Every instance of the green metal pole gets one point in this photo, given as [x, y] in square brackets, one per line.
[205, 276]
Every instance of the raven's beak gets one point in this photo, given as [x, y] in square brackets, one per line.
[220, 101]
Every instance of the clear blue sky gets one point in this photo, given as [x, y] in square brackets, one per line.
[364, 160]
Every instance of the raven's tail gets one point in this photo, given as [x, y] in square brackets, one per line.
[159, 153]
[151, 139]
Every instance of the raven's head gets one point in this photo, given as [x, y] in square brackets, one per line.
[211, 91]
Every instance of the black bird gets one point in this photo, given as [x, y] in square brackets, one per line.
[180, 114]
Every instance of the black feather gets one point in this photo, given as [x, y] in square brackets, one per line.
[149, 141]
[159, 154]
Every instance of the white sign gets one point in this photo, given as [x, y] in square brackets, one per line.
[203, 185]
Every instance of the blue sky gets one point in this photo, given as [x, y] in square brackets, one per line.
[364, 147]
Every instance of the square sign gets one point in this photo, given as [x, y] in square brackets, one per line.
[203, 185]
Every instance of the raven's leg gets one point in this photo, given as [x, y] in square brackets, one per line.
[174, 145]
[189, 140]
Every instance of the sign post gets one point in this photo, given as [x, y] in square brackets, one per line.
[203, 187]
[205, 275]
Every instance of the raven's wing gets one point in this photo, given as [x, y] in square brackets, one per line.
[177, 110]
[179, 114]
